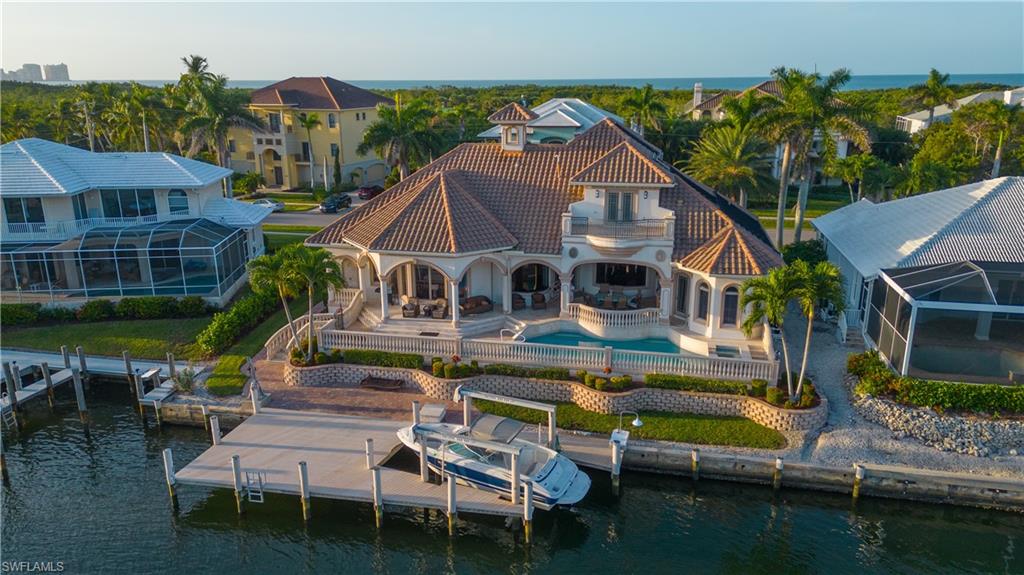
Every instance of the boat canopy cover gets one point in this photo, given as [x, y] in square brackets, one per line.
[495, 428]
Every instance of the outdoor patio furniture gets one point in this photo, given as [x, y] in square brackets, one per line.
[607, 303]
[621, 304]
[518, 302]
[427, 309]
[410, 310]
[440, 309]
[539, 302]
[381, 383]
[476, 304]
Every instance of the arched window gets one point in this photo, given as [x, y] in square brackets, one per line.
[177, 201]
[730, 306]
[703, 301]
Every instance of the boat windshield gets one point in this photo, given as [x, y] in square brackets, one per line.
[495, 428]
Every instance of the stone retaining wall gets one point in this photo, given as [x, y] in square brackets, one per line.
[968, 435]
[645, 399]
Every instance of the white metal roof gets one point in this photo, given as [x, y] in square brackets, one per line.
[35, 167]
[234, 212]
[983, 221]
[562, 113]
[944, 110]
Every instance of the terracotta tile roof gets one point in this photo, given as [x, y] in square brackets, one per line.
[710, 103]
[512, 113]
[768, 88]
[624, 164]
[317, 93]
[526, 194]
[732, 252]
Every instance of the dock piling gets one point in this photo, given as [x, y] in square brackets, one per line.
[528, 512]
[304, 489]
[129, 371]
[858, 479]
[171, 368]
[205, 410]
[378, 497]
[453, 509]
[236, 473]
[156, 410]
[17, 375]
[9, 379]
[695, 464]
[140, 391]
[515, 479]
[424, 470]
[467, 410]
[169, 472]
[83, 412]
[215, 429]
[777, 475]
[81, 360]
[369, 453]
[67, 356]
[49, 382]
[415, 413]
[616, 464]
[255, 400]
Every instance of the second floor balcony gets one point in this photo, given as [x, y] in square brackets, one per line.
[67, 229]
[661, 229]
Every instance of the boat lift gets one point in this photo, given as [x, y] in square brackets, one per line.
[466, 396]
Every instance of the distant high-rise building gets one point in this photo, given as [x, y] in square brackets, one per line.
[31, 73]
[56, 72]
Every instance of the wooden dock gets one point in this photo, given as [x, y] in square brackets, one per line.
[274, 441]
[34, 390]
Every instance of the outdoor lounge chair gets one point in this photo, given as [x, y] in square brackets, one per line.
[518, 302]
[539, 302]
[476, 304]
[410, 308]
[440, 309]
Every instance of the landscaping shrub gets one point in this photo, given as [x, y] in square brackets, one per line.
[691, 383]
[600, 383]
[57, 314]
[758, 388]
[589, 380]
[14, 314]
[774, 396]
[558, 373]
[383, 358]
[449, 370]
[437, 368]
[229, 325]
[320, 358]
[193, 306]
[807, 395]
[810, 251]
[860, 363]
[581, 374]
[619, 383]
[147, 307]
[96, 310]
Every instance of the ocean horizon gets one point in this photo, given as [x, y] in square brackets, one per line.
[864, 82]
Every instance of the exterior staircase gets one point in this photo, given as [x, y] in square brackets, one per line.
[854, 338]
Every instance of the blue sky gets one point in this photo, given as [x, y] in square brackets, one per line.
[250, 41]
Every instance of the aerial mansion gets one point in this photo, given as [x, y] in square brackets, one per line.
[595, 243]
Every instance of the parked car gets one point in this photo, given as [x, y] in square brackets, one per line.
[335, 202]
[369, 192]
[269, 203]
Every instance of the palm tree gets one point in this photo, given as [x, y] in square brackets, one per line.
[643, 105]
[310, 121]
[62, 119]
[270, 272]
[933, 93]
[744, 111]
[815, 285]
[317, 270]
[851, 170]
[768, 297]
[193, 81]
[1002, 120]
[214, 112]
[731, 160]
[17, 122]
[402, 135]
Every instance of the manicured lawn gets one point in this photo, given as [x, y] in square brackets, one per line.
[226, 378]
[815, 207]
[769, 224]
[288, 207]
[681, 427]
[144, 339]
[278, 241]
[291, 229]
[290, 197]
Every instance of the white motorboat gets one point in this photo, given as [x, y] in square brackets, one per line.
[480, 455]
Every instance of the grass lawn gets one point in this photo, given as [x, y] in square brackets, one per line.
[143, 338]
[227, 378]
[815, 207]
[291, 229]
[769, 224]
[278, 241]
[682, 427]
[288, 197]
[289, 207]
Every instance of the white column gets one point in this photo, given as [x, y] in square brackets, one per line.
[453, 301]
[410, 278]
[566, 299]
[365, 285]
[383, 299]
[666, 299]
[506, 292]
[714, 309]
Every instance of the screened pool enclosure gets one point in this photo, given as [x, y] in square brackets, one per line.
[178, 257]
[962, 321]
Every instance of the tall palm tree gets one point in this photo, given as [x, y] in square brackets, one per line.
[191, 85]
[851, 170]
[61, 118]
[731, 160]
[310, 121]
[214, 112]
[815, 285]
[934, 92]
[402, 135]
[768, 297]
[1002, 122]
[644, 106]
[270, 273]
[315, 269]
[17, 122]
[744, 111]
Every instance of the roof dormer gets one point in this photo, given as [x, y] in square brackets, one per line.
[512, 120]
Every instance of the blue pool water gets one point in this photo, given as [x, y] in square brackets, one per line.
[570, 338]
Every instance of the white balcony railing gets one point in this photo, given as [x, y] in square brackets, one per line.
[613, 317]
[643, 229]
[67, 229]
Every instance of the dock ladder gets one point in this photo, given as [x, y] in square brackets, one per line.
[254, 481]
[7, 412]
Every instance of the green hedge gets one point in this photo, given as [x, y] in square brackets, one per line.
[146, 307]
[557, 373]
[382, 358]
[877, 379]
[690, 383]
[227, 326]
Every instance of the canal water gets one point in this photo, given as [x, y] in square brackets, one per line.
[98, 504]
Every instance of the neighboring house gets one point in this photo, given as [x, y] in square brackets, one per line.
[283, 154]
[558, 120]
[701, 108]
[913, 123]
[79, 225]
[597, 251]
[948, 265]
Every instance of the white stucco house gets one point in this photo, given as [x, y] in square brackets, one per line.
[917, 121]
[558, 121]
[78, 225]
[590, 253]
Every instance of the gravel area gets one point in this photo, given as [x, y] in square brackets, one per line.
[848, 438]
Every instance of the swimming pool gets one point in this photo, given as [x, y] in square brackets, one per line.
[570, 338]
